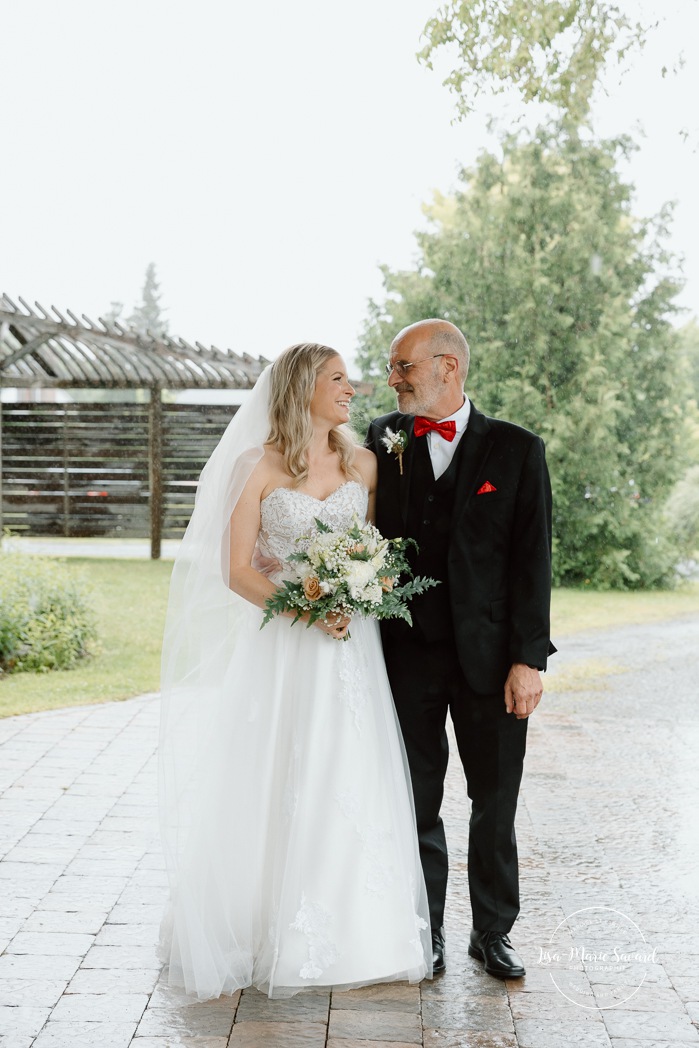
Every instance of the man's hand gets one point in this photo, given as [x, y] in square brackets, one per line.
[523, 689]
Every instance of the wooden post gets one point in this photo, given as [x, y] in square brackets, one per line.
[1, 522]
[66, 476]
[155, 469]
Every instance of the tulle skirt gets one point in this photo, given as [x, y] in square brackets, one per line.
[300, 866]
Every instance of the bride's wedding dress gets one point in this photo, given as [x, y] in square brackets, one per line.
[301, 869]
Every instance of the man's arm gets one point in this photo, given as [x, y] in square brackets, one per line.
[530, 585]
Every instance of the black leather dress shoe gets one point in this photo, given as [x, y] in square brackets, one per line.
[438, 962]
[497, 953]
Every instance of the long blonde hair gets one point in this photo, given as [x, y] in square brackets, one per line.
[294, 376]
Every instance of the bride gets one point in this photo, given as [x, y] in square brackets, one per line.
[286, 810]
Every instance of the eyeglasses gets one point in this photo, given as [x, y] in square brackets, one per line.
[401, 366]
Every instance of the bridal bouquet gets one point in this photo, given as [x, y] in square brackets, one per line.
[350, 572]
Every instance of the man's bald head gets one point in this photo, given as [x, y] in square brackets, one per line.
[428, 365]
[437, 336]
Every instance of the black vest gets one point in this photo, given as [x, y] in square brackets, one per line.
[431, 505]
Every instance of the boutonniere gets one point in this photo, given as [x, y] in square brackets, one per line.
[395, 444]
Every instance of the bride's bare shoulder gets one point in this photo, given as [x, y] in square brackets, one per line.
[261, 474]
[272, 457]
[269, 473]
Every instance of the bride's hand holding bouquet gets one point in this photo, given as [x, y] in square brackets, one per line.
[339, 574]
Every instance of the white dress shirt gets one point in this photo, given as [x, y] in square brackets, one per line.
[441, 450]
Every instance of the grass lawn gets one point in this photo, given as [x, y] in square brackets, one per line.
[573, 611]
[129, 597]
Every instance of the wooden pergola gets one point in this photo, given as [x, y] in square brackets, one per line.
[47, 349]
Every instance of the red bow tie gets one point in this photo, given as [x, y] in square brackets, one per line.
[445, 429]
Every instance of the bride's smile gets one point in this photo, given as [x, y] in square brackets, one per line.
[333, 393]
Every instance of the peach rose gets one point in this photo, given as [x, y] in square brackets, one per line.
[386, 583]
[311, 588]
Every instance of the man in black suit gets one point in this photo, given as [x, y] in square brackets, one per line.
[474, 493]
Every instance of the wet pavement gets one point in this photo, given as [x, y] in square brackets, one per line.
[609, 850]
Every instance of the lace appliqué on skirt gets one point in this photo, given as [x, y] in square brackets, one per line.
[353, 690]
[380, 874]
[314, 921]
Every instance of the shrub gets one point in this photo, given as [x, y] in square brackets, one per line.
[46, 621]
[682, 511]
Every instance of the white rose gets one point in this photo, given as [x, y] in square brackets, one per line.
[373, 593]
[358, 574]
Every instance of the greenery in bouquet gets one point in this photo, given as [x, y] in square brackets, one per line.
[351, 572]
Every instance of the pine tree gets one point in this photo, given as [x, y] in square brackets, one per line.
[114, 312]
[147, 316]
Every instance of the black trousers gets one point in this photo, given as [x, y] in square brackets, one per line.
[427, 680]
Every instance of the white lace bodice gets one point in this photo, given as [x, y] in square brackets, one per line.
[287, 514]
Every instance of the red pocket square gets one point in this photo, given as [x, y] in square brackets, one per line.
[485, 488]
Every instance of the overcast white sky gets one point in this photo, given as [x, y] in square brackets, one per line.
[267, 157]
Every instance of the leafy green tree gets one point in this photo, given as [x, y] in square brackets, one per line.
[549, 50]
[566, 300]
[682, 508]
[683, 512]
[689, 336]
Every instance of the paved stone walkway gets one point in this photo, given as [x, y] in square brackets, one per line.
[607, 825]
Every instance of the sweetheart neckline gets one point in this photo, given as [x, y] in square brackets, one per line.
[313, 497]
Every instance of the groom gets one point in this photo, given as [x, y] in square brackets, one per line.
[474, 493]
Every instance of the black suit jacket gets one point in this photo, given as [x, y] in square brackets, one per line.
[499, 560]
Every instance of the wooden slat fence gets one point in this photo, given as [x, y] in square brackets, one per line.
[190, 434]
[83, 469]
